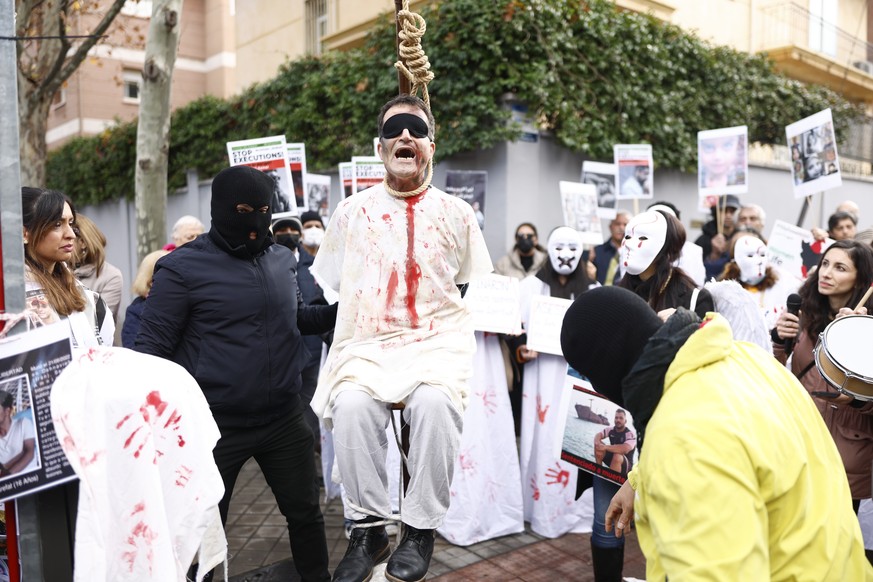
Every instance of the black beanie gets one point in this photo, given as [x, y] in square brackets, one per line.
[310, 215]
[604, 333]
[242, 185]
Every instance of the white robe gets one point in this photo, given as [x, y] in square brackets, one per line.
[401, 319]
[139, 434]
[486, 488]
[548, 483]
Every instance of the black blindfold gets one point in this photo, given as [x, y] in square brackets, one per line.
[395, 125]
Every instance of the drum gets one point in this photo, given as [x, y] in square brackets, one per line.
[844, 357]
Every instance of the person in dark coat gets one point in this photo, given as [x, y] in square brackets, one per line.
[219, 307]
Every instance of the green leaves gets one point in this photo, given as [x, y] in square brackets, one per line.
[592, 75]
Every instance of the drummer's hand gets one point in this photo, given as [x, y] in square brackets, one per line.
[788, 325]
[848, 311]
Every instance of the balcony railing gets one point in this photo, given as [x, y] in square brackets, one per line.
[790, 24]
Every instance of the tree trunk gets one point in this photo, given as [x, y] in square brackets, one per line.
[33, 124]
[153, 131]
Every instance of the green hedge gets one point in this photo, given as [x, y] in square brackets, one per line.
[592, 75]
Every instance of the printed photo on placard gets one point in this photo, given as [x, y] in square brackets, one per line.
[31, 457]
[297, 166]
[722, 161]
[815, 165]
[602, 177]
[579, 203]
[599, 435]
[470, 187]
[793, 250]
[346, 181]
[633, 165]
[268, 154]
[318, 195]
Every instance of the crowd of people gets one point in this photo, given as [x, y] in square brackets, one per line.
[294, 326]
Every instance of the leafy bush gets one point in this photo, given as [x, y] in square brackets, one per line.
[589, 73]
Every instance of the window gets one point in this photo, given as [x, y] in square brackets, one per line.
[317, 25]
[823, 26]
[59, 99]
[132, 82]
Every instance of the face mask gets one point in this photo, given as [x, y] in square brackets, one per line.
[242, 185]
[313, 236]
[288, 240]
[750, 254]
[565, 250]
[525, 243]
[644, 238]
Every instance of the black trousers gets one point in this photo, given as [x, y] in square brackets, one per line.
[284, 451]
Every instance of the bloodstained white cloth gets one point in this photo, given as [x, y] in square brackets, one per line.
[549, 484]
[486, 488]
[139, 434]
[396, 264]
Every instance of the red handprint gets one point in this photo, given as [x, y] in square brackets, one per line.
[558, 476]
[489, 400]
[467, 462]
[535, 488]
[541, 412]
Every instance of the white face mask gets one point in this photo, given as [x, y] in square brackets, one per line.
[313, 236]
[565, 250]
[750, 254]
[644, 238]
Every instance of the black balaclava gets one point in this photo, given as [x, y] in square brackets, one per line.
[604, 333]
[242, 185]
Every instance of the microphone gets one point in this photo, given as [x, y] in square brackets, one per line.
[792, 306]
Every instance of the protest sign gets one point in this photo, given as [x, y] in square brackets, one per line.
[346, 182]
[723, 161]
[593, 424]
[29, 364]
[318, 194]
[602, 177]
[493, 302]
[268, 154]
[794, 250]
[579, 203]
[297, 165]
[815, 166]
[633, 165]
[470, 187]
[367, 171]
[544, 324]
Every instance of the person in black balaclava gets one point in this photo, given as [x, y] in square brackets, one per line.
[227, 308]
[735, 461]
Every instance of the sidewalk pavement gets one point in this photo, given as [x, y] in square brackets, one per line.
[258, 549]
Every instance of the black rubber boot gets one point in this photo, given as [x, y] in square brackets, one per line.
[608, 563]
[367, 547]
[411, 559]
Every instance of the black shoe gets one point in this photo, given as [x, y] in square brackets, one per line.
[607, 563]
[367, 547]
[411, 559]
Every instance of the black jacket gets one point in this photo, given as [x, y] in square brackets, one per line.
[312, 295]
[234, 324]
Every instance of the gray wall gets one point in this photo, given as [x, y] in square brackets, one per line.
[522, 187]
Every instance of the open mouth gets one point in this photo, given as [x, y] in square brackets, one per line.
[405, 153]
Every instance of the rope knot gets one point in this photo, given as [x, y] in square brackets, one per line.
[413, 62]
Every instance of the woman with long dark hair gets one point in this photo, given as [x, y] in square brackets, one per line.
[844, 273]
[653, 241]
[49, 220]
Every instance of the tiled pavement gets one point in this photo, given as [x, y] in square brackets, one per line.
[259, 551]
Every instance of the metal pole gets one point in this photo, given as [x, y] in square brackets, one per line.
[26, 513]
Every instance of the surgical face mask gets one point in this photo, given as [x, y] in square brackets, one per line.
[525, 242]
[565, 250]
[750, 254]
[644, 237]
[313, 236]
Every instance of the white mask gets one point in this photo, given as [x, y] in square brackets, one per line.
[644, 237]
[313, 236]
[750, 254]
[565, 250]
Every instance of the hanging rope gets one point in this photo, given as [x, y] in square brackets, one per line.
[413, 63]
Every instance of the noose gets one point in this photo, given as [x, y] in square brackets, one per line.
[414, 66]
